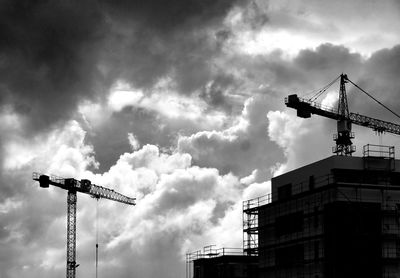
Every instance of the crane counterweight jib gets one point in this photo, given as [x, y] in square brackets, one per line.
[302, 108]
[306, 107]
[44, 181]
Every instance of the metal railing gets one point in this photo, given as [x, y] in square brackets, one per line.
[212, 252]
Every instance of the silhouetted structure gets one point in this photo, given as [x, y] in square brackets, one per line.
[338, 217]
[306, 107]
[74, 186]
[220, 263]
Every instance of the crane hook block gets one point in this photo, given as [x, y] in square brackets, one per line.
[44, 181]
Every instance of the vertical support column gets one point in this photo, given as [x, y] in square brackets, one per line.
[71, 233]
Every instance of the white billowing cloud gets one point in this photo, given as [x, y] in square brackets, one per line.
[32, 238]
[268, 41]
[133, 141]
[180, 207]
[264, 27]
[241, 148]
[93, 114]
[62, 150]
[302, 140]
[164, 100]
[122, 95]
[286, 130]
[256, 190]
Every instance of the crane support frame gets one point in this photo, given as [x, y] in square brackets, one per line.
[73, 186]
[71, 233]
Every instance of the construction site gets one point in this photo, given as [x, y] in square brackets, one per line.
[337, 217]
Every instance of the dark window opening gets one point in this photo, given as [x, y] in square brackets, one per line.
[316, 250]
[289, 224]
[316, 217]
[311, 182]
[289, 256]
[285, 191]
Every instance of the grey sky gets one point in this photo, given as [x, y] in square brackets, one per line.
[179, 105]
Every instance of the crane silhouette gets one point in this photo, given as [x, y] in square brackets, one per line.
[73, 186]
[344, 118]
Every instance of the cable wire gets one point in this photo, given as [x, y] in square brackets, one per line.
[97, 236]
[394, 113]
[323, 90]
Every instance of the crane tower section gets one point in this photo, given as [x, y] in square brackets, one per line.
[344, 145]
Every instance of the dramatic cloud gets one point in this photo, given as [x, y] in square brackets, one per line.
[178, 104]
[57, 54]
[240, 149]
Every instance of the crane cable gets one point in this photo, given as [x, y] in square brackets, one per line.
[394, 113]
[97, 235]
[323, 90]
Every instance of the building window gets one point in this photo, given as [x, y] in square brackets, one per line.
[285, 191]
[311, 182]
[316, 217]
[316, 250]
[288, 224]
[289, 256]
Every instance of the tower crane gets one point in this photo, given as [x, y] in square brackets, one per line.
[73, 186]
[344, 118]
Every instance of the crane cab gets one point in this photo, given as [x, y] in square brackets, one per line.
[86, 185]
[44, 181]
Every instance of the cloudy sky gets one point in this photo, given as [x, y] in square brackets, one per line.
[177, 103]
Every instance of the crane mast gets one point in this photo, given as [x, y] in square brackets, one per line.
[73, 186]
[306, 107]
[344, 146]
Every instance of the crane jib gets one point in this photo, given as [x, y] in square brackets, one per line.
[83, 186]
[305, 108]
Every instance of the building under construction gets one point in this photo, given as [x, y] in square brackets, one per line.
[212, 262]
[335, 218]
[338, 217]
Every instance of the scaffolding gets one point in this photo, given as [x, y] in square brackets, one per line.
[378, 157]
[250, 223]
[288, 235]
[209, 252]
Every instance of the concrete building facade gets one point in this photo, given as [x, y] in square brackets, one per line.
[338, 217]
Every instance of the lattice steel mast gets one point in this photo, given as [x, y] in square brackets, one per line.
[73, 186]
[344, 146]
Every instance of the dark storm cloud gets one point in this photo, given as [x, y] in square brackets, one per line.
[159, 16]
[215, 94]
[314, 68]
[328, 59]
[48, 56]
[379, 77]
[53, 54]
[156, 38]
